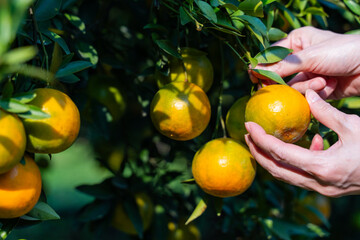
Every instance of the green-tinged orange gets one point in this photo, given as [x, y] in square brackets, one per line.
[180, 111]
[12, 141]
[112, 154]
[281, 110]
[60, 130]
[235, 119]
[121, 220]
[310, 206]
[224, 167]
[180, 231]
[107, 91]
[198, 69]
[20, 189]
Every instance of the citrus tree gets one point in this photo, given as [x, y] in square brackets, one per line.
[160, 90]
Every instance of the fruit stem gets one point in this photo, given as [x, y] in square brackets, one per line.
[221, 90]
[237, 54]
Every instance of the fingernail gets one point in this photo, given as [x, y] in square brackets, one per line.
[248, 126]
[311, 96]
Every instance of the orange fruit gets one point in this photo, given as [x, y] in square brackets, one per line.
[59, 131]
[112, 154]
[235, 119]
[181, 231]
[224, 167]
[199, 69]
[107, 91]
[316, 201]
[281, 110]
[20, 189]
[121, 220]
[180, 110]
[12, 141]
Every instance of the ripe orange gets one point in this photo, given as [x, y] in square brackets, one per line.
[315, 201]
[107, 91]
[12, 141]
[59, 131]
[281, 110]
[180, 111]
[224, 167]
[121, 220]
[199, 69]
[181, 231]
[20, 189]
[235, 119]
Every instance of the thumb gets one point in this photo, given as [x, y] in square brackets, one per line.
[325, 113]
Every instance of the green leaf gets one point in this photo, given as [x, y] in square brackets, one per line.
[270, 19]
[207, 10]
[8, 89]
[189, 181]
[87, 52]
[76, 21]
[24, 97]
[45, 10]
[56, 58]
[42, 211]
[72, 67]
[273, 54]
[352, 103]
[132, 210]
[315, 11]
[167, 47]
[293, 21]
[269, 74]
[19, 55]
[252, 7]
[184, 17]
[276, 34]
[58, 39]
[256, 23]
[253, 62]
[100, 191]
[94, 211]
[11, 16]
[34, 113]
[353, 6]
[72, 78]
[199, 210]
[13, 106]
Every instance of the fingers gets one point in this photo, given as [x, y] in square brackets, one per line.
[304, 81]
[280, 151]
[280, 171]
[317, 143]
[325, 113]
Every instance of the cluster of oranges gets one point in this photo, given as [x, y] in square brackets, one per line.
[20, 180]
[180, 110]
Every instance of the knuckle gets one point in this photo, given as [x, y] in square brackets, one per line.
[329, 192]
[352, 122]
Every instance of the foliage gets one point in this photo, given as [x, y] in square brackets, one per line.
[62, 44]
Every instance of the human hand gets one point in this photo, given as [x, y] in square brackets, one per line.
[333, 172]
[326, 62]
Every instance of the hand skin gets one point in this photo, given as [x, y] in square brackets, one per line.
[329, 67]
[326, 62]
